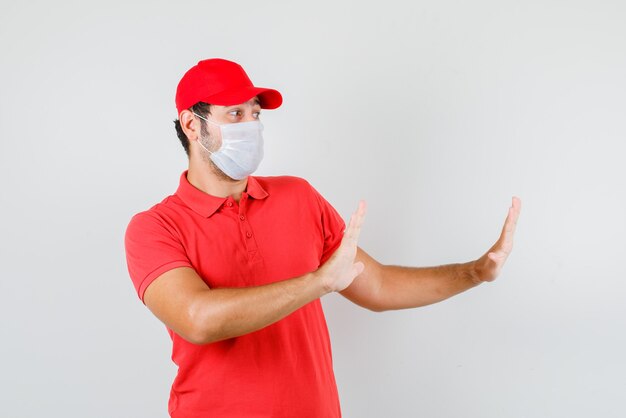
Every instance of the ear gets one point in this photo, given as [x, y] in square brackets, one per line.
[190, 125]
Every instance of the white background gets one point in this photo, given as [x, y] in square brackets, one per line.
[436, 113]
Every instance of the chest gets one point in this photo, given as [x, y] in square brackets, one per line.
[260, 245]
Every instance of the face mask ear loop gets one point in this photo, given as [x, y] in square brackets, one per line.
[210, 121]
[205, 148]
[200, 143]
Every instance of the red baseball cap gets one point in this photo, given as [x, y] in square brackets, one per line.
[221, 82]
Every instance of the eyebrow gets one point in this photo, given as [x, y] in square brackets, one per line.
[255, 102]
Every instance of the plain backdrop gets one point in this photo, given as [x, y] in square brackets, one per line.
[434, 112]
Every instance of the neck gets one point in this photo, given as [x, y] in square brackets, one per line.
[203, 177]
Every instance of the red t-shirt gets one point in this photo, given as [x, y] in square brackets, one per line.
[281, 228]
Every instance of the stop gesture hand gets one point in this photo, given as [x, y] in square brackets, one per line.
[488, 267]
[340, 269]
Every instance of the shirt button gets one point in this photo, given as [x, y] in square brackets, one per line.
[242, 217]
[249, 234]
[229, 204]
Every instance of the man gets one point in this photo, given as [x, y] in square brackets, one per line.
[235, 265]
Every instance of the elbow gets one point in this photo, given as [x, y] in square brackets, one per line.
[376, 308]
[371, 305]
[202, 328]
[198, 336]
[373, 301]
[378, 303]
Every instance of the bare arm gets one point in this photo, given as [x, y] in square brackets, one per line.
[381, 287]
[183, 301]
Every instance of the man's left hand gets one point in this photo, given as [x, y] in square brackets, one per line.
[488, 267]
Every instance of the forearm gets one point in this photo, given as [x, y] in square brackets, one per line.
[381, 287]
[226, 313]
[411, 287]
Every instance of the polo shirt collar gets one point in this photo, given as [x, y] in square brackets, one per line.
[205, 204]
[254, 189]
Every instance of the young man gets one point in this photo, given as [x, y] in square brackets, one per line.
[235, 265]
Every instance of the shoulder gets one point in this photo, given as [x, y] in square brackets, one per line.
[153, 218]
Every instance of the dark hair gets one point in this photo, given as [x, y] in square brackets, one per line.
[201, 108]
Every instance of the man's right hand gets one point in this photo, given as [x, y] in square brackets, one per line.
[340, 270]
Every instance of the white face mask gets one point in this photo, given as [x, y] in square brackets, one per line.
[242, 148]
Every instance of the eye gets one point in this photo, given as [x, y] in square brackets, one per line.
[256, 115]
[235, 113]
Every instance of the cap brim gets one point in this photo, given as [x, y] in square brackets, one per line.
[269, 98]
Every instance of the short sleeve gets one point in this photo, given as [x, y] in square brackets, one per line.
[332, 224]
[151, 250]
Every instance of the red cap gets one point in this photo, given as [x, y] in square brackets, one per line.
[221, 82]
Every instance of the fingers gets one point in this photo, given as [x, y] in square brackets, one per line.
[514, 210]
[356, 222]
[510, 224]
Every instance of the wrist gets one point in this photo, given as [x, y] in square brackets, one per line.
[319, 283]
[324, 281]
[470, 272]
